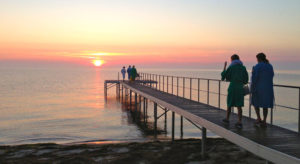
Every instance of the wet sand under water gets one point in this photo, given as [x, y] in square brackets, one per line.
[187, 151]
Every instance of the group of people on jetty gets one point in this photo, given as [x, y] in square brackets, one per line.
[131, 72]
[261, 87]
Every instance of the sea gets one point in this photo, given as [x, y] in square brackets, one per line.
[65, 104]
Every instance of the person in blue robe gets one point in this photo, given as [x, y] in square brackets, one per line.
[129, 71]
[262, 87]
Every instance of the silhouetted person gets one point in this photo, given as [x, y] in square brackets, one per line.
[129, 72]
[238, 77]
[123, 71]
[262, 87]
[133, 73]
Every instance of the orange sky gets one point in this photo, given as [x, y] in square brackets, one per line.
[148, 32]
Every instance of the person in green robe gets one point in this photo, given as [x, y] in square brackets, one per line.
[133, 73]
[237, 75]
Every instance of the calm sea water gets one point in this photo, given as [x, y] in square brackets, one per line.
[66, 105]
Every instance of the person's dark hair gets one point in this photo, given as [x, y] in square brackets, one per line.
[235, 57]
[262, 58]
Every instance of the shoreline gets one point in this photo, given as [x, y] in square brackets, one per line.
[180, 151]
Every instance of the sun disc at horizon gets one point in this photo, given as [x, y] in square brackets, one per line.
[98, 63]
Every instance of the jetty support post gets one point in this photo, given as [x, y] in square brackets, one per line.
[130, 97]
[181, 127]
[166, 115]
[122, 93]
[135, 101]
[173, 125]
[118, 90]
[140, 102]
[105, 91]
[203, 142]
[144, 108]
[155, 119]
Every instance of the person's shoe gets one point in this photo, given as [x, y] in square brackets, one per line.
[263, 124]
[225, 121]
[258, 123]
[239, 125]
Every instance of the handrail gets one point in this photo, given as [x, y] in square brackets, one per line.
[194, 78]
[182, 88]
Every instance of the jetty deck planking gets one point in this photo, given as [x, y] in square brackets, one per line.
[273, 143]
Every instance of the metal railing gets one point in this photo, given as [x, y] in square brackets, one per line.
[178, 87]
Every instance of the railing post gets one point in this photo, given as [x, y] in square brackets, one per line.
[159, 81]
[167, 84]
[150, 80]
[207, 91]
[172, 85]
[271, 118]
[219, 102]
[191, 88]
[198, 90]
[177, 85]
[163, 83]
[156, 81]
[250, 105]
[299, 112]
[183, 86]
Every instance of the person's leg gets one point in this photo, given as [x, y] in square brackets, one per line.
[257, 114]
[265, 112]
[228, 112]
[240, 114]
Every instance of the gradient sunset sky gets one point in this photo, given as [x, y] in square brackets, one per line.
[150, 31]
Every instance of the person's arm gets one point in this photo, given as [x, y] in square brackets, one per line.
[246, 76]
[226, 74]
[254, 78]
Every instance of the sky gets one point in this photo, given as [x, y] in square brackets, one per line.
[169, 32]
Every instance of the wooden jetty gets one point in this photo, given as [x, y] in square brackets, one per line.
[273, 143]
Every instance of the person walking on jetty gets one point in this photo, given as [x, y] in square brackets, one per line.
[262, 87]
[237, 74]
[123, 71]
[129, 71]
[133, 73]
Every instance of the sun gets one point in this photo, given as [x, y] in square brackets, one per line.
[97, 63]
